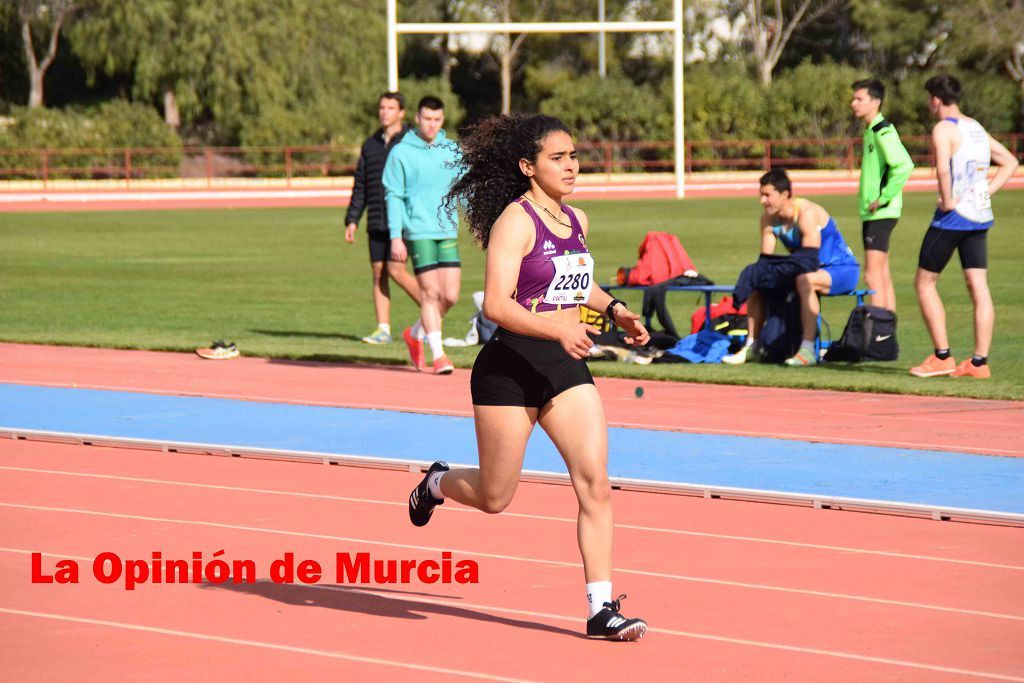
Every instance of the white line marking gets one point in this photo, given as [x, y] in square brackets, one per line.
[700, 636]
[520, 515]
[519, 558]
[577, 620]
[257, 643]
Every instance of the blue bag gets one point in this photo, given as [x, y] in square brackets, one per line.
[704, 347]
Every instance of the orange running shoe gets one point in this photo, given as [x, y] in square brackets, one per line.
[415, 347]
[968, 369]
[443, 366]
[933, 366]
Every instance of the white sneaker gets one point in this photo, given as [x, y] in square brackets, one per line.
[748, 352]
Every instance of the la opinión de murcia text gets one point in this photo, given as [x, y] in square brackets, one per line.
[353, 568]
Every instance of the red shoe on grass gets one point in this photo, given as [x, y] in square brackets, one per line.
[415, 347]
[443, 366]
[933, 366]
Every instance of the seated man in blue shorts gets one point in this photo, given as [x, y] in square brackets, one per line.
[799, 223]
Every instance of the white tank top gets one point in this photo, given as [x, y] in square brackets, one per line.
[969, 168]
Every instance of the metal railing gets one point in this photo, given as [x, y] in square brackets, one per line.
[294, 162]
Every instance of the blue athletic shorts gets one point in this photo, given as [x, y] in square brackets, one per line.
[844, 278]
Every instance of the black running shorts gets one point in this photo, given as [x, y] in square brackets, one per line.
[516, 370]
[939, 244]
[876, 233]
[380, 246]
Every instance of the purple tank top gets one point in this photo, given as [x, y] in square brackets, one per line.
[537, 271]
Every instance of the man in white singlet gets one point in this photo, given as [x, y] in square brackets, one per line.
[963, 153]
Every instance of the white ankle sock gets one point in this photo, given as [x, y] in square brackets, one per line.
[434, 485]
[417, 330]
[385, 328]
[598, 593]
[436, 347]
[807, 346]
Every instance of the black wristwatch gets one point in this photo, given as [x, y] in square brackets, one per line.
[610, 311]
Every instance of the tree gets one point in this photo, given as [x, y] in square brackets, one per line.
[430, 11]
[140, 37]
[770, 33]
[507, 47]
[225, 67]
[991, 32]
[900, 35]
[46, 17]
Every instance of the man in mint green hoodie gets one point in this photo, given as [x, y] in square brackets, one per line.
[885, 168]
[418, 174]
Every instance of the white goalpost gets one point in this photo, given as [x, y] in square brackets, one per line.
[675, 27]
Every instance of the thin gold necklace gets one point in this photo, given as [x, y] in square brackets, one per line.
[548, 212]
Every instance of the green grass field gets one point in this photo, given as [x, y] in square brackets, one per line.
[283, 283]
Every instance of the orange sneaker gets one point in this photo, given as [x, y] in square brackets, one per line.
[968, 369]
[415, 347]
[934, 367]
[443, 366]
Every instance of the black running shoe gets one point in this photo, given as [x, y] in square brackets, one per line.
[608, 624]
[421, 503]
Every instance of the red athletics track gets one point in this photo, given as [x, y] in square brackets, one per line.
[733, 590]
[950, 424]
[592, 187]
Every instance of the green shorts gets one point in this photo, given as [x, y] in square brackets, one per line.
[430, 254]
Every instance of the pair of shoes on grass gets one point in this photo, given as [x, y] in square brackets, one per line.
[933, 366]
[219, 350]
[442, 366]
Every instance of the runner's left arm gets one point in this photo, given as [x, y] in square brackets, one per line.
[636, 333]
[1006, 161]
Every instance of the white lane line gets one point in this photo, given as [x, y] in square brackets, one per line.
[520, 558]
[259, 644]
[702, 636]
[672, 632]
[520, 515]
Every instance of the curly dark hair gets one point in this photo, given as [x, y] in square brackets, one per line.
[491, 151]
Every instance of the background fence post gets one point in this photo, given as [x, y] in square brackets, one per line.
[128, 167]
[46, 167]
[288, 166]
[767, 155]
[209, 167]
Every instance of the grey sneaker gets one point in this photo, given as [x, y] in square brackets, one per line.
[747, 353]
[379, 336]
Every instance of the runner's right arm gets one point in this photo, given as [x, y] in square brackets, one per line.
[394, 198]
[768, 238]
[511, 238]
[942, 145]
[357, 202]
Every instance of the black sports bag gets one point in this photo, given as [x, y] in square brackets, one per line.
[870, 334]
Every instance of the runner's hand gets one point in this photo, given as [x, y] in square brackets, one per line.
[636, 333]
[398, 250]
[350, 233]
[576, 341]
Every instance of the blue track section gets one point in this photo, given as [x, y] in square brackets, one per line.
[911, 476]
